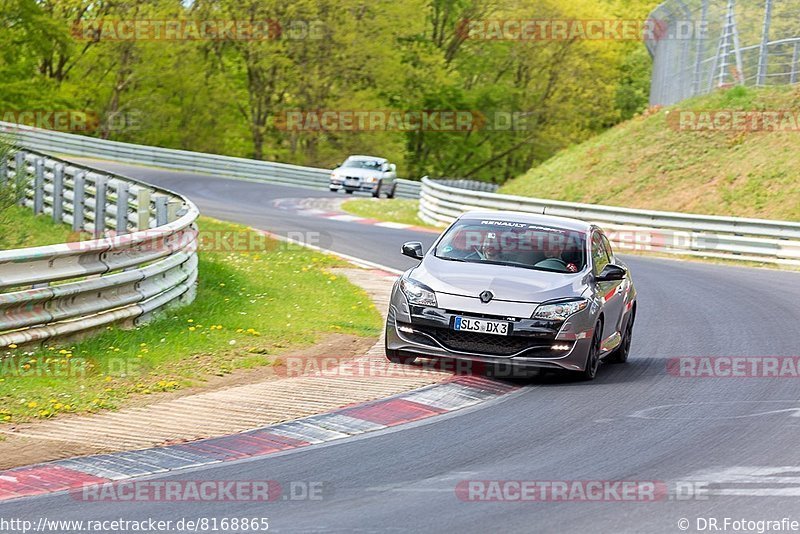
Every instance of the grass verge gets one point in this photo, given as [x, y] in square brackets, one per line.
[20, 228]
[251, 306]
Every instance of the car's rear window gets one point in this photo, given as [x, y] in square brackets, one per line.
[515, 244]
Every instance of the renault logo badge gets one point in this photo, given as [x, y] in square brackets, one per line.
[486, 296]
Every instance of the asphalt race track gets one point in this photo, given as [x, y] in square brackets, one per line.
[735, 437]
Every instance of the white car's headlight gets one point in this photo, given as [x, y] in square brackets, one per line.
[369, 179]
[559, 311]
[417, 293]
[334, 176]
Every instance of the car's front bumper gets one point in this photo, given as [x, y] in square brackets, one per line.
[427, 332]
[337, 185]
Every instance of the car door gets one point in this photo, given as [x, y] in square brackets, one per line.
[610, 293]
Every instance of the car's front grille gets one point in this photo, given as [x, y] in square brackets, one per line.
[480, 343]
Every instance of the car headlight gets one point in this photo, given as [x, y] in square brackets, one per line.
[369, 179]
[559, 311]
[417, 293]
[334, 176]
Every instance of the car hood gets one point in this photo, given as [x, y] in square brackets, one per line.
[514, 284]
[360, 173]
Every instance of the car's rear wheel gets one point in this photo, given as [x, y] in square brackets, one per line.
[394, 356]
[621, 353]
[593, 358]
[348, 191]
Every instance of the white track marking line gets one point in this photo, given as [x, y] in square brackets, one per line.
[394, 225]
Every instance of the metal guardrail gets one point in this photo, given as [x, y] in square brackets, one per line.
[142, 258]
[198, 162]
[731, 238]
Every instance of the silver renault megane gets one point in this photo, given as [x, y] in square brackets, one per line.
[514, 290]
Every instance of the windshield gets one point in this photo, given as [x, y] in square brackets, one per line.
[515, 244]
[362, 164]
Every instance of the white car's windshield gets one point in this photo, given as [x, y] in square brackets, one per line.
[515, 244]
[362, 164]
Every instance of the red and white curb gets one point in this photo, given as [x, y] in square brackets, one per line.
[62, 475]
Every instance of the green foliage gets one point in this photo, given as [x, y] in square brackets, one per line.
[223, 96]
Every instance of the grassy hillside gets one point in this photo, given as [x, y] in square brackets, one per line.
[648, 162]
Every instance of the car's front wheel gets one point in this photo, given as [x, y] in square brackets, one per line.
[621, 353]
[377, 192]
[391, 193]
[593, 358]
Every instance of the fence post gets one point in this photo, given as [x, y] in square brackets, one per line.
[700, 50]
[122, 208]
[100, 186]
[795, 57]
[161, 210]
[143, 209]
[58, 192]
[78, 202]
[38, 187]
[763, 51]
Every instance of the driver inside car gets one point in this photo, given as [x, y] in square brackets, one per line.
[556, 256]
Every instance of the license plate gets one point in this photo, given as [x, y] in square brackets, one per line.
[485, 326]
[351, 181]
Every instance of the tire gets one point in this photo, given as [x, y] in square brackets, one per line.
[621, 353]
[377, 193]
[393, 191]
[394, 356]
[348, 191]
[593, 358]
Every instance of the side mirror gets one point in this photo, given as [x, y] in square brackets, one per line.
[611, 273]
[393, 167]
[413, 249]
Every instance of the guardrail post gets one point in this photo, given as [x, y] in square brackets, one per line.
[58, 193]
[172, 210]
[38, 187]
[122, 208]
[161, 210]
[101, 187]
[19, 165]
[78, 202]
[143, 209]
